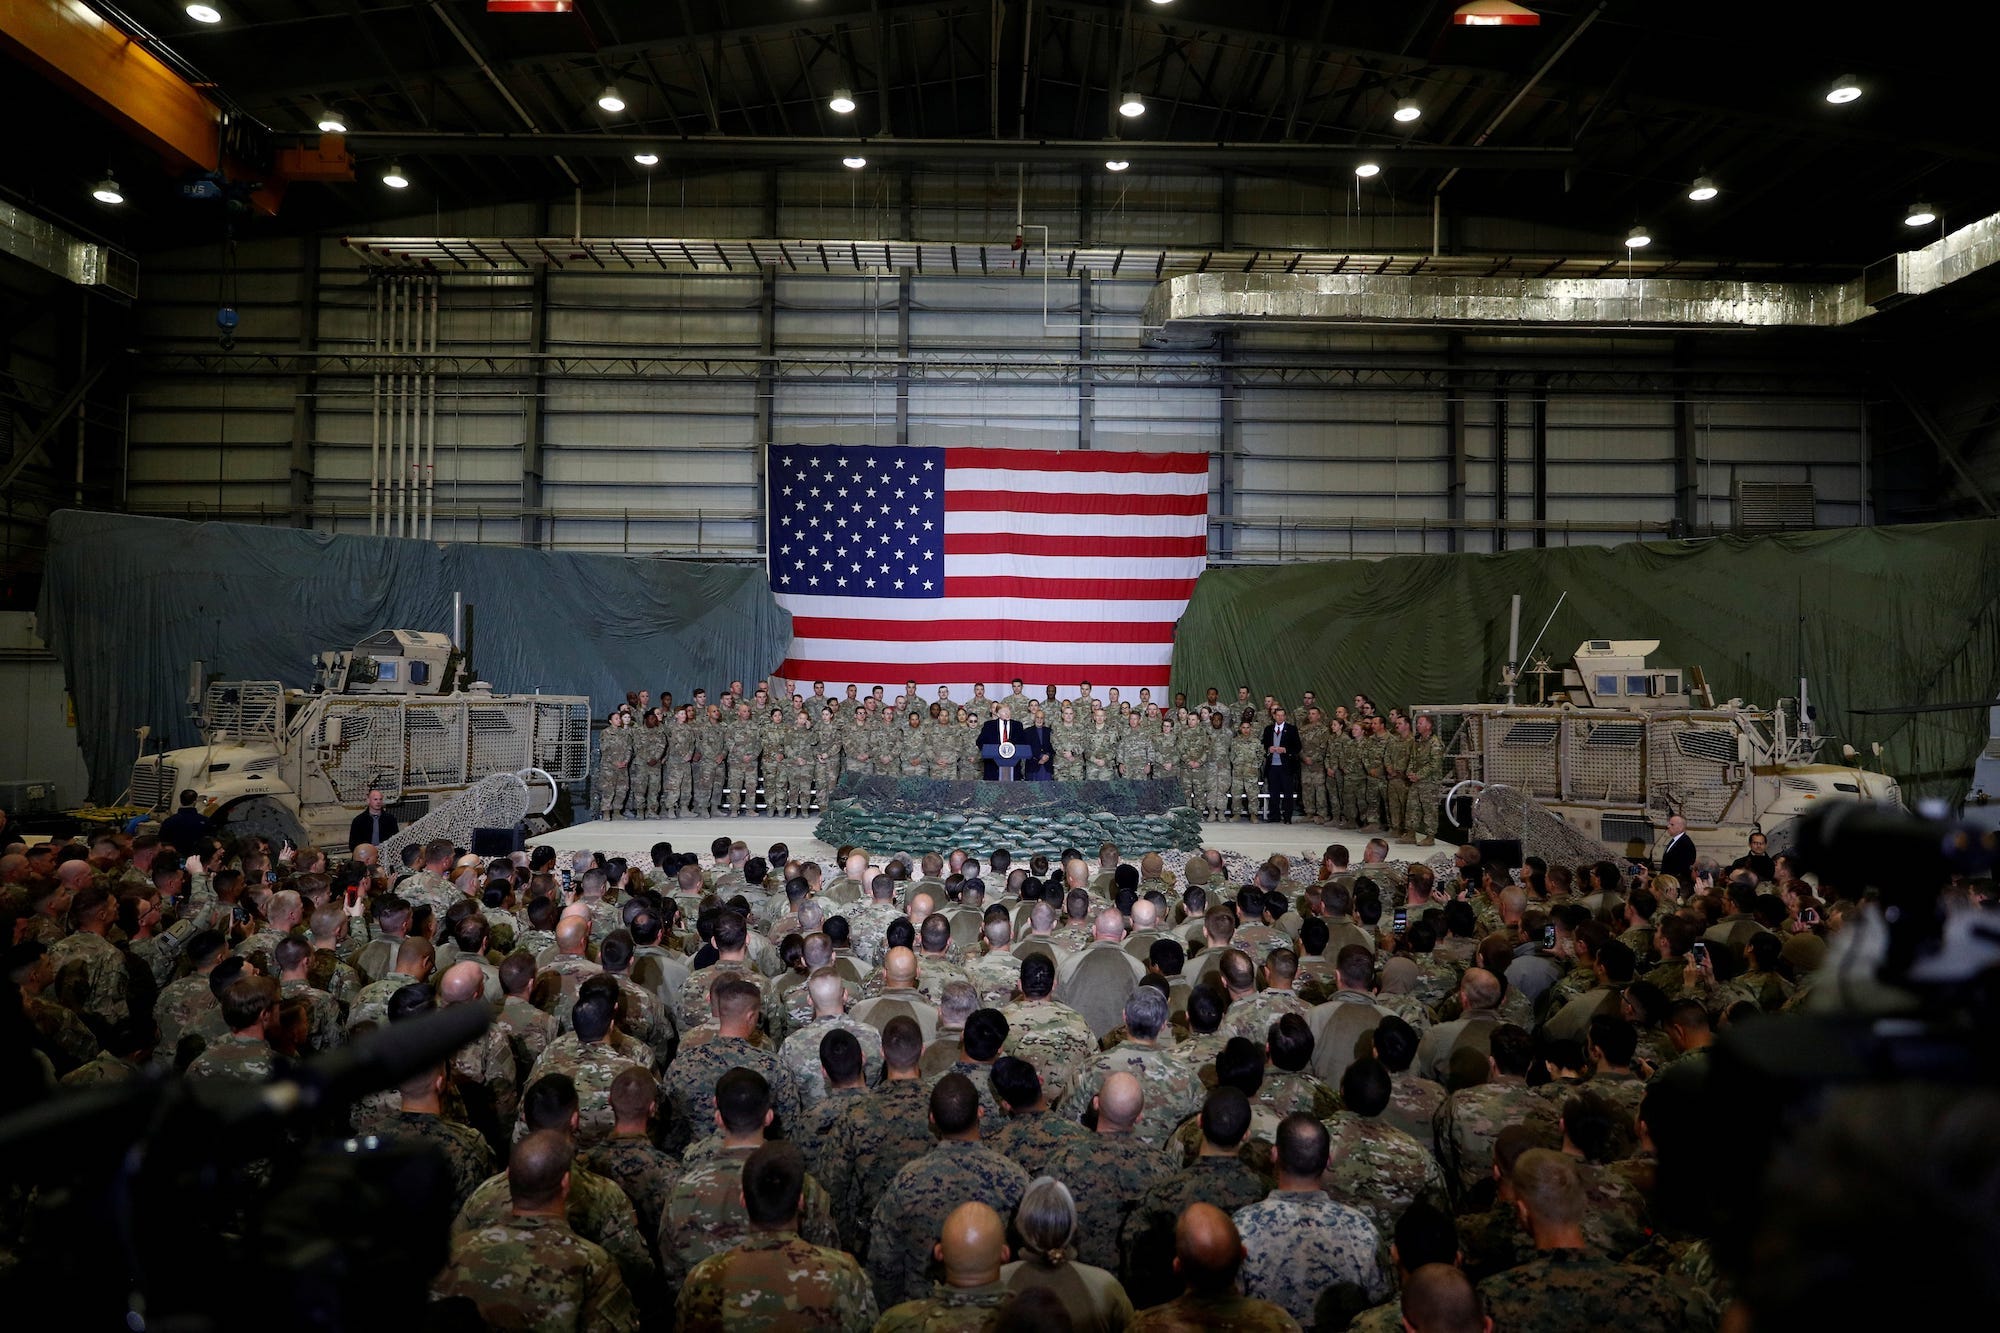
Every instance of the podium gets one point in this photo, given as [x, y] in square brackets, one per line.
[1004, 765]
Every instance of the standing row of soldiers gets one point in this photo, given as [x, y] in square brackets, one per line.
[715, 759]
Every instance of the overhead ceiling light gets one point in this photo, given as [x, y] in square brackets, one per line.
[610, 100]
[1367, 169]
[1407, 110]
[1495, 14]
[394, 177]
[106, 191]
[1845, 89]
[1116, 164]
[1920, 215]
[1132, 105]
[646, 159]
[204, 13]
[842, 100]
[1638, 239]
[330, 122]
[854, 163]
[1703, 189]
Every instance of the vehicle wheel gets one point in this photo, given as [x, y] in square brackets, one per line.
[261, 816]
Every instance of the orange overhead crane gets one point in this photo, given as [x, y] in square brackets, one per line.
[80, 50]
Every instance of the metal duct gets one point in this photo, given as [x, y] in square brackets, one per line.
[1188, 309]
[85, 263]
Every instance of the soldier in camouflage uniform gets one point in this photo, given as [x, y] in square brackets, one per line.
[742, 740]
[614, 767]
[1314, 742]
[676, 770]
[649, 756]
[772, 731]
[1373, 1166]
[775, 1279]
[630, 1159]
[1426, 781]
[914, 1207]
[529, 1269]
[1216, 1176]
[1217, 738]
[1244, 753]
[1469, 1119]
[827, 736]
[857, 743]
[796, 755]
[1171, 1086]
[1208, 1254]
[466, 1155]
[1066, 735]
[710, 764]
[879, 1134]
[1397, 753]
[1018, 703]
[94, 912]
[913, 758]
[972, 1295]
[1304, 1247]
[691, 1079]
[587, 1058]
[1136, 750]
[885, 745]
[800, 1053]
[249, 1008]
[1344, 753]
[1368, 805]
[1100, 748]
[1110, 1170]
[1055, 1038]
[1032, 1134]
[942, 746]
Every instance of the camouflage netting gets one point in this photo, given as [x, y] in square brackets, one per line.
[499, 801]
[923, 814]
[1505, 812]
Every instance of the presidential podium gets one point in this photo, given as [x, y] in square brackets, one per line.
[1005, 757]
[925, 814]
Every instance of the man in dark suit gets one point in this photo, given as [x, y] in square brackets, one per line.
[1000, 730]
[184, 829]
[1281, 767]
[372, 825]
[1677, 857]
[1041, 749]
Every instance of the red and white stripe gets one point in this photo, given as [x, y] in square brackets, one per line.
[1061, 566]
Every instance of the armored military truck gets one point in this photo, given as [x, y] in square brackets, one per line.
[395, 714]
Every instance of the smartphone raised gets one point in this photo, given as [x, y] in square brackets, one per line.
[1400, 921]
[1699, 953]
[1548, 937]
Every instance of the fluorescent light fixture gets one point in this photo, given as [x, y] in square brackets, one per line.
[1407, 110]
[647, 159]
[106, 191]
[204, 13]
[842, 100]
[1367, 169]
[1920, 215]
[330, 122]
[1495, 14]
[1116, 164]
[854, 163]
[1131, 104]
[1703, 189]
[1845, 89]
[394, 177]
[1638, 239]
[610, 100]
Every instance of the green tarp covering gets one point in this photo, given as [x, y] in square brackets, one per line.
[1875, 617]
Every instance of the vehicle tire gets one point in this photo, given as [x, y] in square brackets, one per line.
[261, 816]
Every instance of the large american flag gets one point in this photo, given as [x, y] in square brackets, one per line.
[964, 566]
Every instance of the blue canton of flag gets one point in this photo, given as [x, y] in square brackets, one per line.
[856, 521]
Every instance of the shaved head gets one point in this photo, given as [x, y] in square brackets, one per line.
[1208, 1251]
[1120, 1101]
[462, 982]
[828, 992]
[900, 967]
[538, 1168]
[972, 1246]
[415, 957]
[1439, 1298]
[573, 933]
[1110, 925]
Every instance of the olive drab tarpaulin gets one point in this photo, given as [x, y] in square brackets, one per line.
[1876, 617]
[127, 603]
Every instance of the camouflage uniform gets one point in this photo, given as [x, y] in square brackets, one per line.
[885, 742]
[614, 770]
[1108, 1174]
[1100, 752]
[981, 1078]
[1427, 762]
[800, 1057]
[1470, 1119]
[1033, 1139]
[535, 1273]
[943, 745]
[1624, 1091]
[1379, 1170]
[100, 1069]
[1244, 752]
[996, 976]
[638, 1167]
[529, 1030]
[1345, 752]
[1146, 1239]
[103, 966]
[1572, 1290]
[1374, 771]
[235, 1059]
[1215, 794]
[1304, 1247]
[322, 1010]
[597, 1210]
[825, 764]
[877, 1136]
[704, 1214]
[676, 768]
[1051, 1036]
[911, 1212]
[741, 742]
[465, 1153]
[593, 1068]
[1283, 1093]
[649, 756]
[1253, 1017]
[948, 1310]
[773, 1282]
[1413, 1106]
[1223, 1313]
[692, 1007]
[814, 1132]
[1138, 752]
[690, 1081]
[771, 739]
[710, 738]
[1315, 738]
[66, 1038]
[1173, 1090]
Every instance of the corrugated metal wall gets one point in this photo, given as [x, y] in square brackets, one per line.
[1372, 443]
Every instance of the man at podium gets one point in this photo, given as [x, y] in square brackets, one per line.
[1003, 747]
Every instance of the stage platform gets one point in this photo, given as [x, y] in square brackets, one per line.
[634, 839]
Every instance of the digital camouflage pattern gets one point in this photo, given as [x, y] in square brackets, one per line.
[1108, 1174]
[597, 1210]
[1225, 1313]
[534, 1274]
[910, 1214]
[1173, 1090]
[1413, 1105]
[874, 1140]
[1146, 1237]
[465, 1152]
[642, 1170]
[1252, 1018]
[1304, 1247]
[1284, 1092]
[1470, 1119]
[1380, 1171]
[102, 966]
[234, 1059]
[1033, 1139]
[775, 1282]
[1570, 1291]
[947, 1310]
[800, 1057]
[704, 1214]
[1054, 1038]
[593, 1068]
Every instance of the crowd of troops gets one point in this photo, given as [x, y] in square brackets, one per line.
[784, 754]
[743, 1092]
